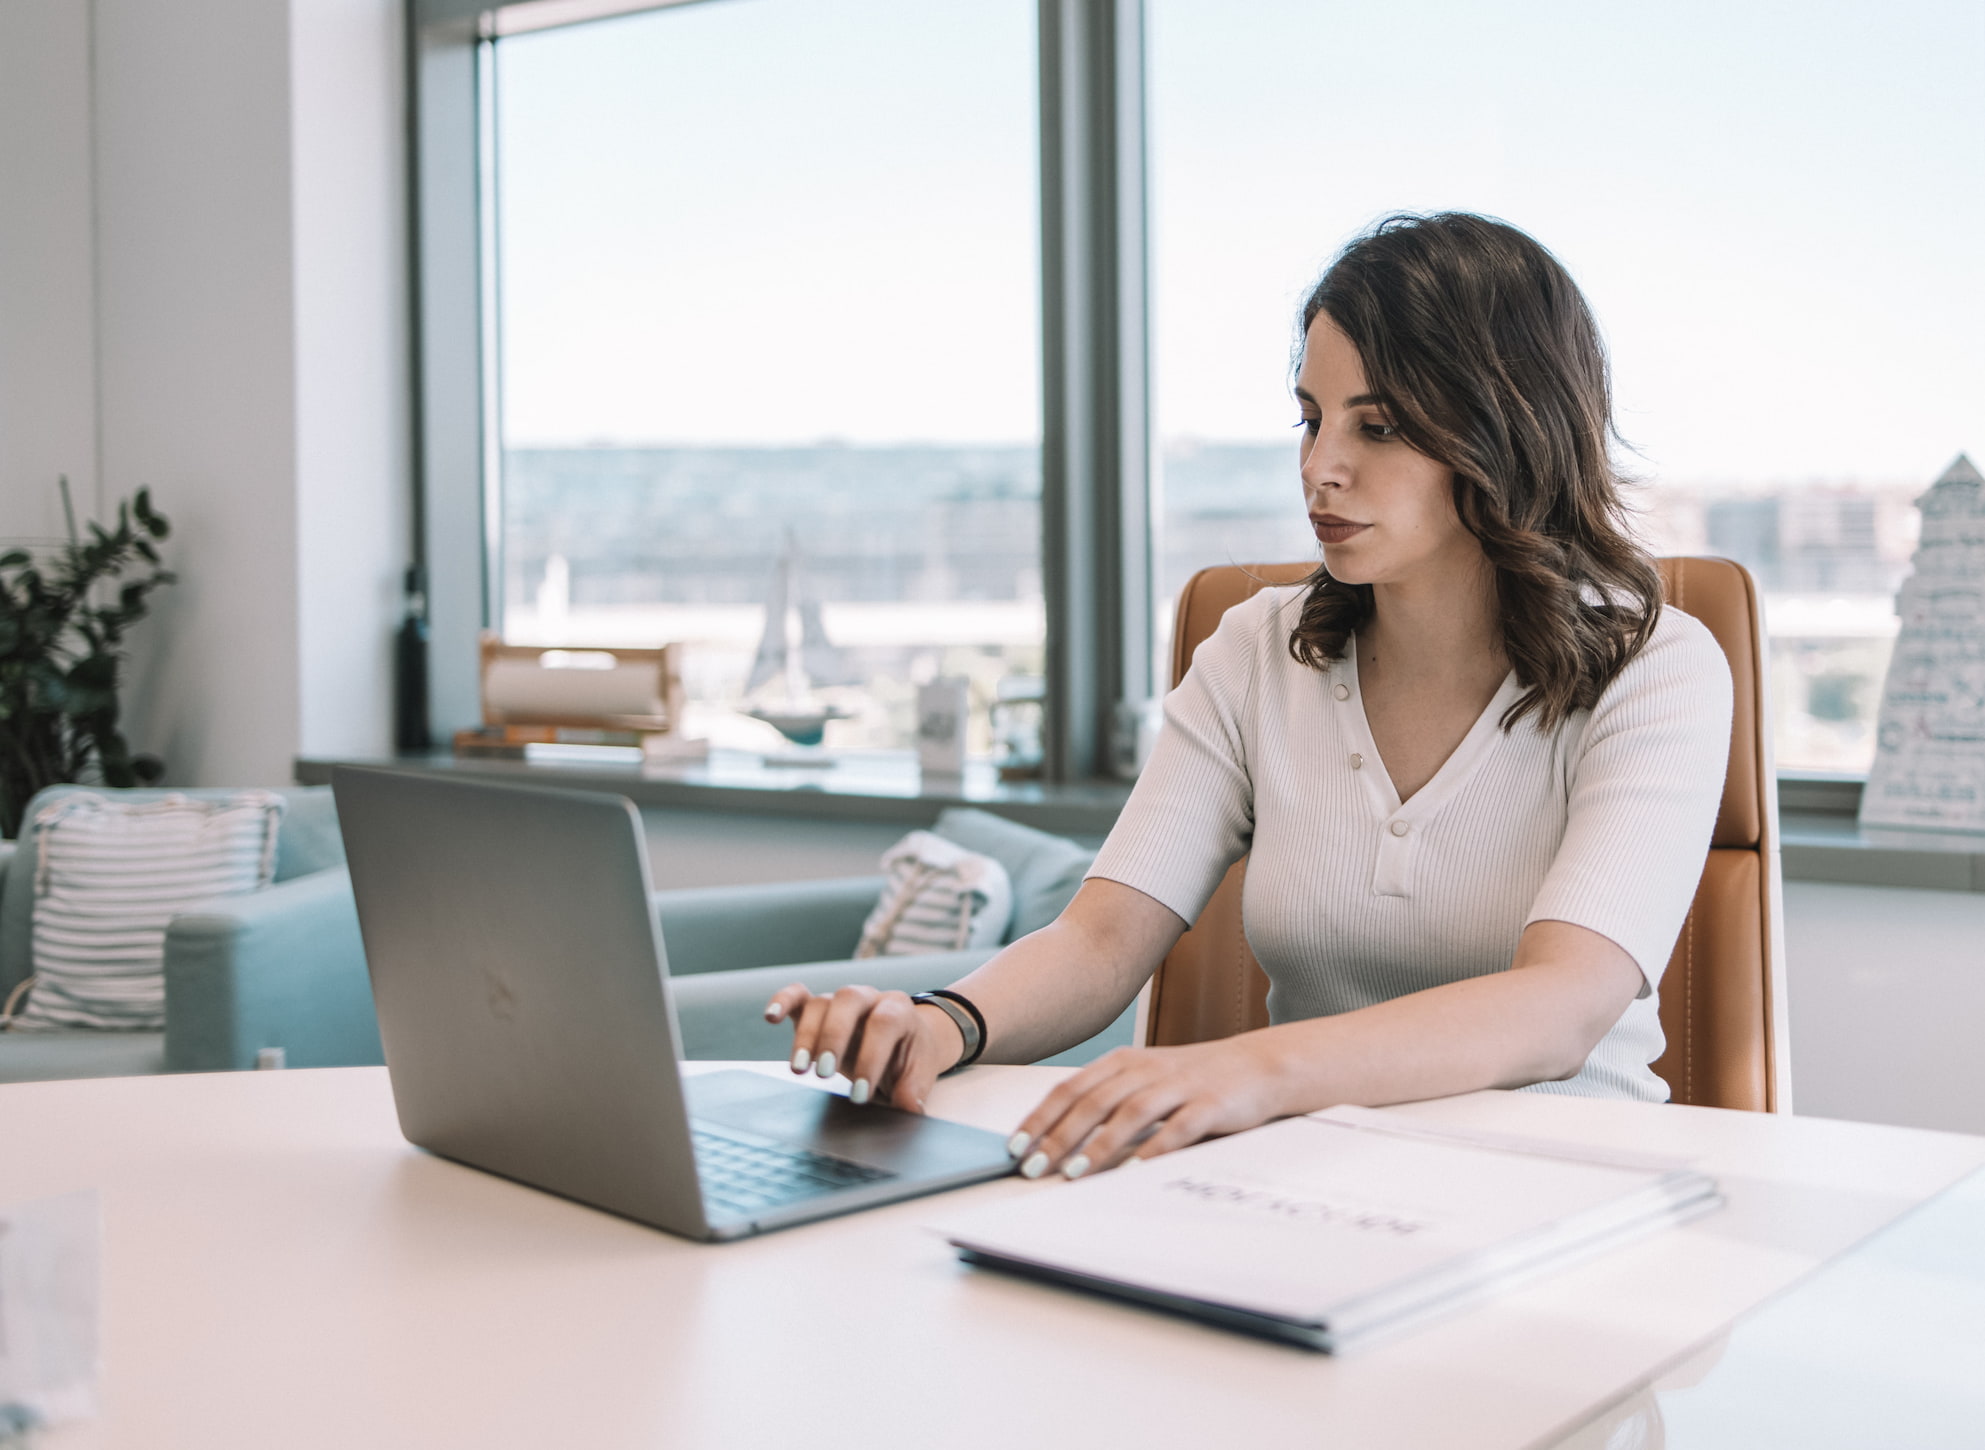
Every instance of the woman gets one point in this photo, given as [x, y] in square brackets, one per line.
[1473, 761]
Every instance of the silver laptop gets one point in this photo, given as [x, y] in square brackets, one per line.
[523, 998]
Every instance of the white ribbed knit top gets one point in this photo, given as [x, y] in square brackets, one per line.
[1353, 898]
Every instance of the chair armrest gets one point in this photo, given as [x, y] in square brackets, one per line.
[722, 1014]
[7, 850]
[282, 968]
[729, 928]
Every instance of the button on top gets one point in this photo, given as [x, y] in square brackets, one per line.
[1399, 828]
[1342, 692]
[1357, 762]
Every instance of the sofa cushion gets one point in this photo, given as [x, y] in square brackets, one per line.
[52, 1056]
[1045, 870]
[310, 814]
[109, 874]
[936, 897]
[310, 840]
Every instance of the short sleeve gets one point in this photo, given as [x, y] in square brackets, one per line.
[1645, 782]
[1191, 814]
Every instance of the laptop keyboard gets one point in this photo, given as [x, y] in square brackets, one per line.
[745, 1175]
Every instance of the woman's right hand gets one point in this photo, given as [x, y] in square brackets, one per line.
[890, 1049]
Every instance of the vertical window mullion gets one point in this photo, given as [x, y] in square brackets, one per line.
[490, 287]
[447, 298]
[1096, 540]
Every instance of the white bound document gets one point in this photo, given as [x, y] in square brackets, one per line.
[1333, 1228]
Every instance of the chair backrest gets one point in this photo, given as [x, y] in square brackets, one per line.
[1722, 996]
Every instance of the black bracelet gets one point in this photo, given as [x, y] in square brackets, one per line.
[978, 1019]
[974, 1046]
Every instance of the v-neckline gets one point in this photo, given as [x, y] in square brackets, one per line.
[1453, 772]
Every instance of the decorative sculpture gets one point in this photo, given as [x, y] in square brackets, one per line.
[1929, 769]
[794, 667]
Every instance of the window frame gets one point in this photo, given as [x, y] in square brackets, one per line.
[1097, 508]
[1096, 547]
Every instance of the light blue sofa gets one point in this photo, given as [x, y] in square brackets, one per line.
[279, 968]
[731, 947]
[285, 967]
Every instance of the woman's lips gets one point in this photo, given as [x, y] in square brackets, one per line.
[1332, 530]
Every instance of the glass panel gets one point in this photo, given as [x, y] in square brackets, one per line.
[770, 348]
[1774, 213]
[1879, 1347]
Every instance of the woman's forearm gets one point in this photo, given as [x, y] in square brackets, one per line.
[1536, 1022]
[1044, 994]
[1065, 983]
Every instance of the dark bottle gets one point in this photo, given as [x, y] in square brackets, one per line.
[410, 731]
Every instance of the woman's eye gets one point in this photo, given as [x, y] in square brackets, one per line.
[1308, 425]
[1384, 432]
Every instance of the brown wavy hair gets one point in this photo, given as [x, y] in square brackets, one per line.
[1485, 357]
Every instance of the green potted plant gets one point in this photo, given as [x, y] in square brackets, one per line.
[62, 627]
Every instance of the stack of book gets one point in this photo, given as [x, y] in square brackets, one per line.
[1336, 1228]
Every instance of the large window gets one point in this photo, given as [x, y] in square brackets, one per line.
[769, 324]
[768, 373]
[1775, 211]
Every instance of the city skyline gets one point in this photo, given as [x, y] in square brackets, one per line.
[926, 560]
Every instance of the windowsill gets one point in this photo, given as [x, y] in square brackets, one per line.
[1819, 839]
[878, 786]
[1825, 847]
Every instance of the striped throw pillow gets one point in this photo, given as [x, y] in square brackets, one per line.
[939, 897]
[111, 874]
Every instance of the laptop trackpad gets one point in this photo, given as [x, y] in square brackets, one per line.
[824, 1122]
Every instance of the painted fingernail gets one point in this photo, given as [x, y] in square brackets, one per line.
[1034, 1167]
[859, 1092]
[1076, 1166]
[800, 1059]
[1016, 1146]
[825, 1067]
[775, 1011]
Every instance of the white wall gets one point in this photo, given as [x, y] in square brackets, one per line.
[354, 378]
[1887, 998]
[234, 184]
[197, 366]
[47, 274]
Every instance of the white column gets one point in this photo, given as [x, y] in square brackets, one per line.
[47, 256]
[197, 372]
[354, 485]
[202, 289]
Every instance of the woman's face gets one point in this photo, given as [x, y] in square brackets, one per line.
[1383, 513]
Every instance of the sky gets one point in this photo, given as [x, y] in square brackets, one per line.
[772, 220]
[798, 220]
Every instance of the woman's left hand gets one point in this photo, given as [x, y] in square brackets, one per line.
[1148, 1100]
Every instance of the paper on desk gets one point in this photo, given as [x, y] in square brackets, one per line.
[50, 1306]
[1322, 1221]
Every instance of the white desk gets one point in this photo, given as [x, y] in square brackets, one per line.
[283, 1270]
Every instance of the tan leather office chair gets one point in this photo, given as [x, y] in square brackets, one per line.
[1722, 996]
